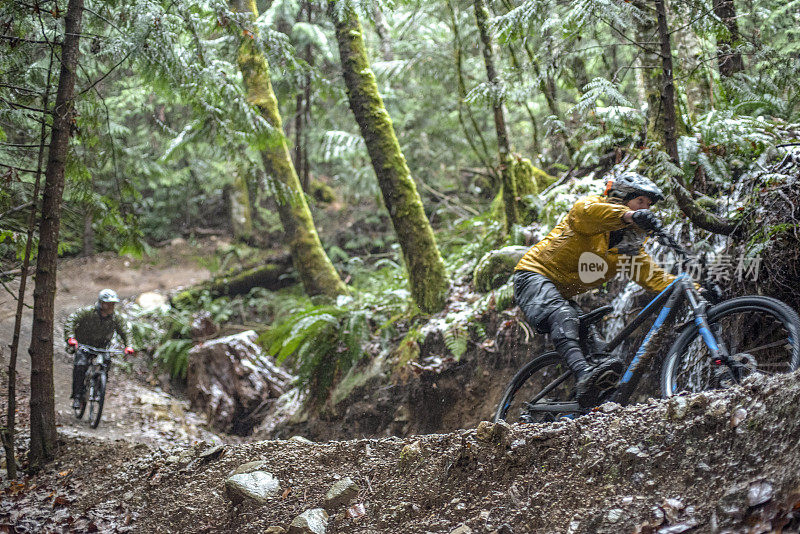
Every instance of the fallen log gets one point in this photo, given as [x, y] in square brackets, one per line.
[277, 273]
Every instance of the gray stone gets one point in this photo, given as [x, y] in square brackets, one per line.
[614, 515]
[461, 529]
[759, 493]
[249, 467]
[301, 439]
[678, 407]
[410, 455]
[258, 486]
[215, 451]
[313, 521]
[341, 492]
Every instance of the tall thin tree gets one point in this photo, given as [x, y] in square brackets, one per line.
[10, 429]
[312, 263]
[42, 403]
[426, 273]
[500, 125]
[698, 215]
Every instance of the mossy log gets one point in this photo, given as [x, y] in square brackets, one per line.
[427, 278]
[275, 274]
[496, 267]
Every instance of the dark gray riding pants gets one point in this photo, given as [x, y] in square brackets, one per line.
[546, 310]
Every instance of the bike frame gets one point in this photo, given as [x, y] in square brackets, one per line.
[668, 301]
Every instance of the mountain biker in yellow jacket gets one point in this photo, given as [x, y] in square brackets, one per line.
[94, 326]
[600, 236]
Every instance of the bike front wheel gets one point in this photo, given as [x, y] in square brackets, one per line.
[761, 333]
[97, 395]
[544, 382]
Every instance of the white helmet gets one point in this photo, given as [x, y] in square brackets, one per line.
[108, 295]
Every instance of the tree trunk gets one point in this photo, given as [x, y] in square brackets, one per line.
[648, 73]
[312, 263]
[483, 153]
[9, 431]
[728, 58]
[698, 215]
[426, 273]
[239, 211]
[42, 405]
[382, 29]
[503, 144]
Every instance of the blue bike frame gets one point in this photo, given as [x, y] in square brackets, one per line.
[669, 300]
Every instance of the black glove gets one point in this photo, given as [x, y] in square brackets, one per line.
[646, 220]
[711, 292]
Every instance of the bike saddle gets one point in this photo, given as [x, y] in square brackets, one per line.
[595, 315]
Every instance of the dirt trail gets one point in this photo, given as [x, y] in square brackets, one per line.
[132, 412]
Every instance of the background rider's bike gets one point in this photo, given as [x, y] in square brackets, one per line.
[94, 382]
[716, 346]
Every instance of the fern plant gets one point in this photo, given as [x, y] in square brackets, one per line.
[322, 342]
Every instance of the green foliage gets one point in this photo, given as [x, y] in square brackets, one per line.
[173, 355]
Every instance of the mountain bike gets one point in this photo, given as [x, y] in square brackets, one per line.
[716, 346]
[94, 383]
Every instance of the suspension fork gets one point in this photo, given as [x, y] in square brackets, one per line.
[717, 349]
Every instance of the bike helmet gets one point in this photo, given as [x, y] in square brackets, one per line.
[631, 185]
[108, 295]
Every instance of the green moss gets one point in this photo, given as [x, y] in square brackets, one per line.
[427, 278]
[315, 268]
[494, 269]
[322, 192]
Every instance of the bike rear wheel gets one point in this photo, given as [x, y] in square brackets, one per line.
[97, 398]
[760, 332]
[545, 371]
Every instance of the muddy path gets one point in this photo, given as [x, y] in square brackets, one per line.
[133, 411]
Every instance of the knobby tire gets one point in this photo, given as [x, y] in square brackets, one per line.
[534, 377]
[688, 358]
[97, 399]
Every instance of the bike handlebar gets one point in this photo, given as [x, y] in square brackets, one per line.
[669, 241]
[97, 350]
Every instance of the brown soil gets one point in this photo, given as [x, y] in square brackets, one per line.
[725, 461]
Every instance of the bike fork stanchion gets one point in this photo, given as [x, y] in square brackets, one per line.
[719, 353]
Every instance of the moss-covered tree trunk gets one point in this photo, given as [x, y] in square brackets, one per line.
[312, 263]
[426, 272]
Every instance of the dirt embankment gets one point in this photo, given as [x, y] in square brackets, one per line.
[724, 461]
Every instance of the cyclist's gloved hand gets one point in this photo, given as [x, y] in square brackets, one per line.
[129, 351]
[72, 342]
[711, 292]
[646, 220]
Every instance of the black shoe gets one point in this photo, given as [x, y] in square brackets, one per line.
[76, 403]
[592, 387]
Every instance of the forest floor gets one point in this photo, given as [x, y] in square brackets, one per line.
[725, 461]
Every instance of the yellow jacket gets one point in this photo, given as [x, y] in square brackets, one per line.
[575, 254]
